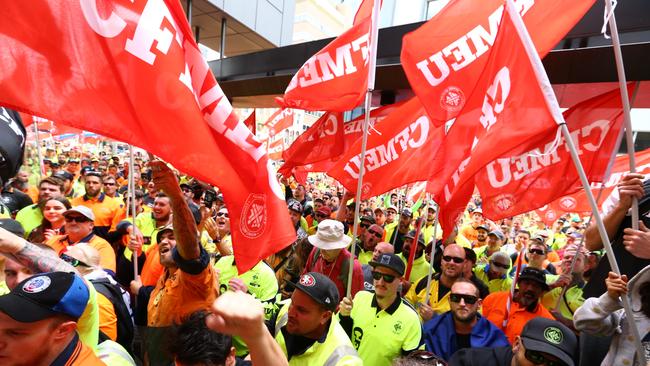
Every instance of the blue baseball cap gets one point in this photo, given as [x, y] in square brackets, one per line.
[46, 295]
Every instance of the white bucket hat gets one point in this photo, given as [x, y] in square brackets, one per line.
[330, 235]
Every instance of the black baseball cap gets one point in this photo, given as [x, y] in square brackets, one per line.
[368, 218]
[551, 337]
[535, 275]
[63, 175]
[406, 212]
[320, 288]
[295, 206]
[391, 261]
[411, 235]
[12, 226]
[484, 227]
[46, 295]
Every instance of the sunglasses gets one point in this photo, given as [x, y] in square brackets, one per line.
[538, 358]
[536, 251]
[500, 265]
[469, 299]
[109, 184]
[376, 234]
[457, 260]
[222, 214]
[79, 219]
[364, 225]
[73, 261]
[387, 278]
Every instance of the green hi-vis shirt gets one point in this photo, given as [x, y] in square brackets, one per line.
[29, 217]
[380, 336]
[364, 256]
[569, 303]
[498, 284]
[420, 267]
[147, 226]
[261, 283]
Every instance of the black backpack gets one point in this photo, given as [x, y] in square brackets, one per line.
[124, 320]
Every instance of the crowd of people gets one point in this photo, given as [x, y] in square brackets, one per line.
[87, 281]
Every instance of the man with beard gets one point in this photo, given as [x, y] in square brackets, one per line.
[511, 314]
[494, 242]
[428, 228]
[32, 216]
[462, 326]
[188, 283]
[382, 326]
[21, 183]
[305, 328]
[110, 186]
[68, 180]
[105, 208]
[369, 239]
[396, 234]
[420, 266]
[453, 265]
[481, 236]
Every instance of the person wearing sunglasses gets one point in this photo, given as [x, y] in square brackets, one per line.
[462, 326]
[79, 224]
[381, 325]
[368, 280]
[453, 266]
[511, 313]
[535, 256]
[495, 273]
[542, 342]
[368, 240]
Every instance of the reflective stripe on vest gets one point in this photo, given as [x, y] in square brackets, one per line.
[339, 353]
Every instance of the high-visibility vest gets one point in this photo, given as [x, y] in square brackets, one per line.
[337, 349]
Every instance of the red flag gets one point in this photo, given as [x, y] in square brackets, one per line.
[336, 78]
[507, 111]
[251, 123]
[513, 185]
[394, 155]
[352, 131]
[276, 147]
[444, 57]
[577, 202]
[279, 121]
[322, 140]
[132, 71]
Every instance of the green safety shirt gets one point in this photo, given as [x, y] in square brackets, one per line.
[379, 335]
[570, 302]
[502, 283]
[29, 217]
[420, 267]
[334, 350]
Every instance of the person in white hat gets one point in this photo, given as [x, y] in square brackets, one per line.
[331, 258]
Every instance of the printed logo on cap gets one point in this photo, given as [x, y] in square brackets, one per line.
[553, 335]
[384, 259]
[307, 280]
[37, 284]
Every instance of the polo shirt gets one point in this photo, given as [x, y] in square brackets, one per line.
[76, 353]
[60, 244]
[503, 283]
[427, 232]
[494, 309]
[420, 267]
[29, 217]
[379, 335]
[106, 210]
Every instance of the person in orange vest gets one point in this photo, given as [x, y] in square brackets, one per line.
[105, 209]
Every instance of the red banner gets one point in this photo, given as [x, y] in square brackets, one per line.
[577, 202]
[250, 122]
[517, 184]
[279, 121]
[336, 78]
[131, 71]
[506, 112]
[395, 152]
[445, 56]
[321, 141]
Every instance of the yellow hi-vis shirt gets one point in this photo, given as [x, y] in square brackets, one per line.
[29, 218]
[380, 336]
[335, 350]
[496, 285]
[417, 293]
[569, 303]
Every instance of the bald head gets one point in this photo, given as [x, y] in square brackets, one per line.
[453, 262]
[382, 248]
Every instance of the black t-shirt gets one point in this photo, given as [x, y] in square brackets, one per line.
[462, 341]
[296, 345]
[497, 356]
[442, 290]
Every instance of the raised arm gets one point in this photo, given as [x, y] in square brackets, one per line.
[38, 260]
[185, 231]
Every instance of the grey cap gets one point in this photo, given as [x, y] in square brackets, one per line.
[83, 210]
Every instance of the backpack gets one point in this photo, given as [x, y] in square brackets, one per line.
[113, 293]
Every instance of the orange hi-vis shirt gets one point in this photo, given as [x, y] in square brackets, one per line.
[77, 354]
[106, 209]
[494, 309]
[152, 270]
[60, 243]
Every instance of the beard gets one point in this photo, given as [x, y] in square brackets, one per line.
[470, 317]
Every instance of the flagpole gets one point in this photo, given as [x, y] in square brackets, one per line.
[38, 149]
[418, 230]
[131, 202]
[364, 138]
[433, 256]
[622, 84]
[554, 108]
